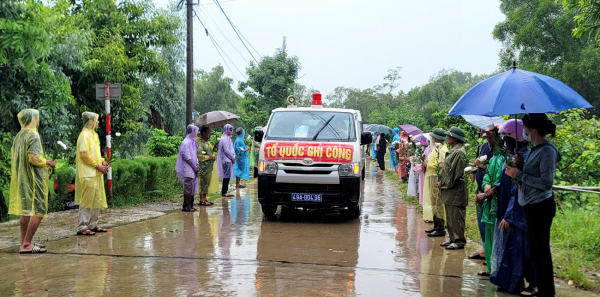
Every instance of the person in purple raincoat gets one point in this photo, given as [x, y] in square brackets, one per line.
[225, 159]
[187, 167]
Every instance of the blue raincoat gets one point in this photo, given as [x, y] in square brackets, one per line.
[393, 159]
[510, 253]
[373, 151]
[241, 168]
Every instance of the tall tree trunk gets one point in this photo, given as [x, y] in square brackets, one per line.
[190, 63]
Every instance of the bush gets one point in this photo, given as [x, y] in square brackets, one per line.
[163, 145]
[144, 180]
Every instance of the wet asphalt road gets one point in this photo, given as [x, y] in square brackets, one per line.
[230, 250]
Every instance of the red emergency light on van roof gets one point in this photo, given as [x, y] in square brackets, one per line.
[316, 99]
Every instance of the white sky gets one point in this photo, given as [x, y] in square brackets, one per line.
[353, 43]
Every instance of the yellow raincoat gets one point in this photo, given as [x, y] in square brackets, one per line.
[89, 183]
[432, 204]
[29, 174]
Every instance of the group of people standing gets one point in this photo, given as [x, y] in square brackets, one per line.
[514, 199]
[30, 173]
[196, 163]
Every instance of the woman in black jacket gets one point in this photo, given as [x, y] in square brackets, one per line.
[381, 151]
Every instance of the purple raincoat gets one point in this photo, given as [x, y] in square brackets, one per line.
[226, 154]
[187, 151]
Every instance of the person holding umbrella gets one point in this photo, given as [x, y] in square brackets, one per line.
[226, 159]
[535, 195]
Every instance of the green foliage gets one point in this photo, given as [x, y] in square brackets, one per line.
[588, 17]
[578, 139]
[163, 145]
[214, 137]
[144, 180]
[268, 86]
[65, 176]
[212, 91]
[5, 159]
[538, 35]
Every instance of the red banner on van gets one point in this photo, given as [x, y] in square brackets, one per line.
[318, 152]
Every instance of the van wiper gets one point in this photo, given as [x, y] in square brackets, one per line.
[322, 127]
[329, 126]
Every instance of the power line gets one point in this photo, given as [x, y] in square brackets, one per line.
[236, 32]
[219, 50]
[223, 34]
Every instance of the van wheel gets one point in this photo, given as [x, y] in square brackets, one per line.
[363, 173]
[269, 210]
[354, 212]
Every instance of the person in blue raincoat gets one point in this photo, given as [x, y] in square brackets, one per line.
[510, 259]
[373, 148]
[241, 168]
[393, 158]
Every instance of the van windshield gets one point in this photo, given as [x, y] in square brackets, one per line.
[304, 125]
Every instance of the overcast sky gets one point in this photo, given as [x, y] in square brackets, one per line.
[353, 43]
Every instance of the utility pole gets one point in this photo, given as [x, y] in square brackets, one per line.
[189, 94]
[283, 46]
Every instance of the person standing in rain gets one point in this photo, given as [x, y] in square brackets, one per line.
[254, 153]
[381, 151]
[206, 160]
[187, 167]
[226, 159]
[241, 167]
[89, 182]
[453, 188]
[393, 159]
[433, 208]
[536, 196]
[29, 180]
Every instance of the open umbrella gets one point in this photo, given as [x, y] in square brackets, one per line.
[410, 129]
[382, 129]
[481, 122]
[517, 91]
[419, 139]
[215, 119]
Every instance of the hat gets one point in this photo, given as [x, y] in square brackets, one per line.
[239, 130]
[457, 133]
[439, 134]
[509, 127]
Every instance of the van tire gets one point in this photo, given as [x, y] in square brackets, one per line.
[363, 173]
[269, 210]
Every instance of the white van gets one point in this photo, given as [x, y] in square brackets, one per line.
[312, 157]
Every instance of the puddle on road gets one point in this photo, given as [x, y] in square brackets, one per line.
[230, 250]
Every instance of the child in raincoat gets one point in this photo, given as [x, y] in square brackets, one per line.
[29, 180]
[89, 181]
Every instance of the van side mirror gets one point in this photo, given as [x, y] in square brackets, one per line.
[366, 138]
[258, 135]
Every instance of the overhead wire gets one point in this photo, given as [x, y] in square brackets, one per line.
[237, 32]
[219, 49]
[223, 34]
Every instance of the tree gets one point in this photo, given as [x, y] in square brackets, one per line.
[538, 34]
[213, 91]
[588, 17]
[268, 86]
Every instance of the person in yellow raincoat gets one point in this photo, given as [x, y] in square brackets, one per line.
[433, 208]
[29, 180]
[89, 183]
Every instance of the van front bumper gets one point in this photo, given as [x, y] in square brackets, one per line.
[344, 194]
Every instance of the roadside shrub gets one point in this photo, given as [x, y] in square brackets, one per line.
[144, 180]
[65, 176]
[163, 145]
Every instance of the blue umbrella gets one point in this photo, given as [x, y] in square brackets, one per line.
[518, 91]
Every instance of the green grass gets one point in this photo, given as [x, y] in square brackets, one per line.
[575, 239]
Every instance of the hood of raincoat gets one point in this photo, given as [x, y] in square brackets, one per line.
[225, 149]
[239, 140]
[187, 148]
[89, 120]
[29, 118]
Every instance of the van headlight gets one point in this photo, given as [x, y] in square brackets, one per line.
[347, 169]
[267, 167]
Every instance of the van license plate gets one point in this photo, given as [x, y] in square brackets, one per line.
[307, 197]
